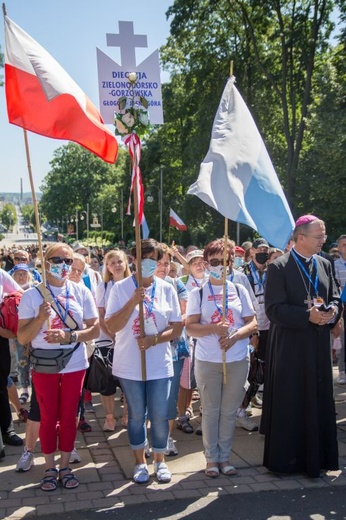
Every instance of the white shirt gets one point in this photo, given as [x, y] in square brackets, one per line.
[102, 297]
[208, 347]
[165, 310]
[81, 307]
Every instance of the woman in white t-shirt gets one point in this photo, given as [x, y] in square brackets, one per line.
[162, 323]
[115, 268]
[220, 400]
[58, 393]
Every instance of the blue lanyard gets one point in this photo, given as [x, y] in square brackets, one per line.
[194, 279]
[63, 312]
[231, 276]
[305, 271]
[149, 306]
[260, 282]
[216, 305]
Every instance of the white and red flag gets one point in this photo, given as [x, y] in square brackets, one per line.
[176, 221]
[43, 98]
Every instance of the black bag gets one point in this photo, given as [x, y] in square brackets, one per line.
[99, 372]
[50, 361]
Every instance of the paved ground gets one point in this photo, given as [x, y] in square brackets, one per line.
[106, 469]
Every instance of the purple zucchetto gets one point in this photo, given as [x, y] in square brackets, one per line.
[305, 219]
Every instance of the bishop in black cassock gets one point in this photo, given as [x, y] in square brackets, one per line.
[298, 408]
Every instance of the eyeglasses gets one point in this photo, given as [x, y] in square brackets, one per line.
[320, 238]
[20, 259]
[60, 260]
[214, 262]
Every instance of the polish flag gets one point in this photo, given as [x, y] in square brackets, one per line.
[176, 221]
[43, 98]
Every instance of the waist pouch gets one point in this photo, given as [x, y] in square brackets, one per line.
[50, 361]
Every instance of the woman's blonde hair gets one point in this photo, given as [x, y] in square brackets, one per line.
[106, 275]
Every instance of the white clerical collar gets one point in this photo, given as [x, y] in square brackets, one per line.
[305, 258]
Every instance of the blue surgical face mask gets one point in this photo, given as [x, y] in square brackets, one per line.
[238, 262]
[148, 267]
[59, 271]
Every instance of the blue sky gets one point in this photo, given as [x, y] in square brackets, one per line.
[70, 30]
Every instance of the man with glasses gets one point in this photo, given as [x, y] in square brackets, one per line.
[22, 257]
[302, 303]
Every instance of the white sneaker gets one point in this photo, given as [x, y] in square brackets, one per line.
[341, 380]
[246, 423]
[74, 457]
[171, 450]
[26, 461]
[256, 401]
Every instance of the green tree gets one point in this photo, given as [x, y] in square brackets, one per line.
[77, 177]
[274, 45]
[8, 216]
[28, 213]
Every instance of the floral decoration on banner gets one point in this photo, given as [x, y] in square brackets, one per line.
[131, 115]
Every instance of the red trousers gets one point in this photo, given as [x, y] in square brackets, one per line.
[58, 396]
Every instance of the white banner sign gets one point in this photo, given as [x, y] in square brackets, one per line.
[113, 78]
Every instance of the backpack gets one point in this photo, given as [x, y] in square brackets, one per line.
[9, 311]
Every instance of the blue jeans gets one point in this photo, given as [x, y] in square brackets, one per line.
[173, 395]
[147, 398]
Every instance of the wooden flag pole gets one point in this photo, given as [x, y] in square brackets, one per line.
[138, 257]
[37, 217]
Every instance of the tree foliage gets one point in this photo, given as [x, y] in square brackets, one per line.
[8, 216]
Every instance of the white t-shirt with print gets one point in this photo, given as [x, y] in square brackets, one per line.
[192, 282]
[81, 306]
[208, 347]
[102, 296]
[165, 309]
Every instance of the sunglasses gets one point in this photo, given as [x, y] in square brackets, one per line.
[60, 260]
[215, 262]
[20, 259]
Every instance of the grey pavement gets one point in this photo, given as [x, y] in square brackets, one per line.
[106, 469]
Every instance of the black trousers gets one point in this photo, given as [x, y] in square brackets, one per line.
[5, 367]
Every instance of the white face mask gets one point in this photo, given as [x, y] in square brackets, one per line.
[59, 271]
[216, 272]
[25, 285]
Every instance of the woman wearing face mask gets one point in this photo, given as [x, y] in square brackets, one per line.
[204, 321]
[43, 323]
[162, 323]
[22, 275]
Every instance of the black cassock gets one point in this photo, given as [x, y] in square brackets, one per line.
[298, 417]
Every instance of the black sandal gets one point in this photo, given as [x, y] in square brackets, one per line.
[50, 478]
[68, 481]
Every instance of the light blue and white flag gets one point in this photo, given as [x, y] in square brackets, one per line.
[237, 177]
[145, 228]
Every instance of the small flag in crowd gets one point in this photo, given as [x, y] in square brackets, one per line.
[176, 221]
[145, 228]
[237, 177]
[43, 98]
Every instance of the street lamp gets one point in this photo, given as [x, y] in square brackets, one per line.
[150, 199]
[87, 218]
[75, 219]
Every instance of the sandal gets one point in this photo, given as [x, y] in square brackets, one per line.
[212, 471]
[23, 397]
[162, 472]
[184, 425]
[228, 470]
[141, 474]
[110, 423]
[68, 481]
[49, 481]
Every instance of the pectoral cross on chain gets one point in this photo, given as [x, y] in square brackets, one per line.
[309, 301]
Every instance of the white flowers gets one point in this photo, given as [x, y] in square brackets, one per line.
[133, 77]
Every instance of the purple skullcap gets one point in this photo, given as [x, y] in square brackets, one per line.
[305, 219]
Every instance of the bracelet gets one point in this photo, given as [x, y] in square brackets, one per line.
[156, 339]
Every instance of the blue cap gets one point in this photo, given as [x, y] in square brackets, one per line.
[21, 267]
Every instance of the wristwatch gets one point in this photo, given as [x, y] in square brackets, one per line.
[73, 336]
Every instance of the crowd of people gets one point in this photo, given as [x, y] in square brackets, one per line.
[233, 326]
